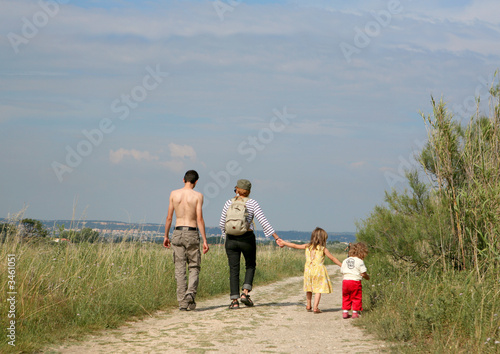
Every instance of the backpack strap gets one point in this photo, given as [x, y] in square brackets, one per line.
[244, 199]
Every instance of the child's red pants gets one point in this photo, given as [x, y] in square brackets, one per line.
[352, 295]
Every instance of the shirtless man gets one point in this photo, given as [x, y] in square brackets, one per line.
[187, 204]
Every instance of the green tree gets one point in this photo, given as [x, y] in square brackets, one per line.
[31, 228]
[408, 227]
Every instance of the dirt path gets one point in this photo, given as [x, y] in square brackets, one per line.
[278, 323]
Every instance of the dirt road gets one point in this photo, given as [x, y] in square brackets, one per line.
[278, 323]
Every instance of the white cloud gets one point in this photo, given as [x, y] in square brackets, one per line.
[182, 151]
[179, 154]
[478, 10]
[118, 155]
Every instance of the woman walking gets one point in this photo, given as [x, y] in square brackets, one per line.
[240, 239]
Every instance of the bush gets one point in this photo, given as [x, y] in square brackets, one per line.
[84, 235]
[436, 252]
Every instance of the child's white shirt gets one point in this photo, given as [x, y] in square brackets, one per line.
[352, 268]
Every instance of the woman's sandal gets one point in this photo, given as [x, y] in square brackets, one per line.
[234, 305]
[309, 309]
[317, 311]
[246, 300]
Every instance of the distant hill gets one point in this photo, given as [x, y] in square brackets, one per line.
[108, 227]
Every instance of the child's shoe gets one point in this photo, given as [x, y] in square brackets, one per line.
[355, 315]
[345, 315]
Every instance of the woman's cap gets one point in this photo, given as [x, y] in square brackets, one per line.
[244, 184]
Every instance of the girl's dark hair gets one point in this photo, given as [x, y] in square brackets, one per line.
[191, 176]
[318, 238]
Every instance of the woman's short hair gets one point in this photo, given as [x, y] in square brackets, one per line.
[242, 192]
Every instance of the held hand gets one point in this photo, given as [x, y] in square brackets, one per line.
[166, 242]
[280, 243]
[205, 247]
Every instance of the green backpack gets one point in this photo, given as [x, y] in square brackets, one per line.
[236, 217]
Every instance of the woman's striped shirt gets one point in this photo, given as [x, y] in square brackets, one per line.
[254, 210]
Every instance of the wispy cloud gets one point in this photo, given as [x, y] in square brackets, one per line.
[182, 151]
[118, 155]
[179, 154]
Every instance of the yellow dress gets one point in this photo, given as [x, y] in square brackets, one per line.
[316, 277]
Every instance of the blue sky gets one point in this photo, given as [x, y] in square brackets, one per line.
[105, 104]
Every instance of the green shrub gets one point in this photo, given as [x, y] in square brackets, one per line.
[435, 256]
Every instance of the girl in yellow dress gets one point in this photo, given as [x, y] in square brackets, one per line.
[316, 279]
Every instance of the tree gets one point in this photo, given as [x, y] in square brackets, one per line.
[31, 228]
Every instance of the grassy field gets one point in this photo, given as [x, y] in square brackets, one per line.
[432, 311]
[60, 291]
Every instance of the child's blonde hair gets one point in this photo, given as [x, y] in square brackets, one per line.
[359, 250]
[318, 238]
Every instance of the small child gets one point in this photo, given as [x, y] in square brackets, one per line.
[316, 279]
[354, 270]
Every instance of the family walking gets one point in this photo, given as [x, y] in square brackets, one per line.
[237, 226]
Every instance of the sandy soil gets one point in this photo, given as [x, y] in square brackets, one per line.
[278, 323]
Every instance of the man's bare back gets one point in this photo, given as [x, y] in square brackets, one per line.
[185, 202]
[189, 224]
[187, 205]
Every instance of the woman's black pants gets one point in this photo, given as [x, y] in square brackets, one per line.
[235, 246]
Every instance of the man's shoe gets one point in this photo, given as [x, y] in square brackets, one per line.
[183, 309]
[191, 303]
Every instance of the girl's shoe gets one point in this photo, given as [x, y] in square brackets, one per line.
[345, 315]
[317, 310]
[234, 305]
[355, 315]
[309, 309]
[246, 300]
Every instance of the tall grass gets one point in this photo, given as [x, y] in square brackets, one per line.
[436, 251]
[464, 161]
[431, 310]
[67, 290]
